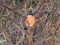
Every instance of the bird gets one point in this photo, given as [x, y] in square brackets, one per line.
[30, 21]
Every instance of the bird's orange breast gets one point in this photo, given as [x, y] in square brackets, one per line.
[30, 21]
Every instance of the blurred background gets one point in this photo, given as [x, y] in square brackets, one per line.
[46, 30]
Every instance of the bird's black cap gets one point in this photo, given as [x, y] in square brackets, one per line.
[30, 12]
